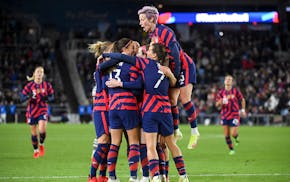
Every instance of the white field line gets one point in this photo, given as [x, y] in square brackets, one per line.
[123, 176]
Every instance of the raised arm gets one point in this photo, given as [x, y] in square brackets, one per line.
[107, 64]
[122, 57]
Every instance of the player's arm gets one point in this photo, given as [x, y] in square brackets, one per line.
[176, 58]
[170, 42]
[26, 94]
[108, 64]
[123, 57]
[167, 72]
[243, 110]
[50, 94]
[219, 101]
[136, 84]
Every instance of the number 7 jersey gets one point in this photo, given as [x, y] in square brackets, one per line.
[156, 84]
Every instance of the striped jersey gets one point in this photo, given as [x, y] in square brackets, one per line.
[100, 97]
[164, 35]
[37, 105]
[231, 109]
[123, 98]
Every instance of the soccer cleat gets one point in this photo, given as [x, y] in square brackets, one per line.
[144, 179]
[156, 179]
[102, 179]
[237, 142]
[232, 152]
[93, 179]
[41, 150]
[36, 154]
[162, 178]
[178, 134]
[183, 179]
[113, 180]
[192, 141]
[133, 179]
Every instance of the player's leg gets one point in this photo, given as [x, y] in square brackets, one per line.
[173, 96]
[152, 155]
[134, 152]
[42, 135]
[164, 158]
[177, 157]
[228, 137]
[235, 135]
[143, 158]
[116, 138]
[188, 105]
[34, 140]
[99, 159]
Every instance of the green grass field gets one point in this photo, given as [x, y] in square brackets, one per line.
[263, 155]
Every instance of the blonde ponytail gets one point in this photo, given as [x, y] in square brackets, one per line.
[98, 47]
[30, 78]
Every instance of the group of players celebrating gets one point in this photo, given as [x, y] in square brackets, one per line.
[136, 92]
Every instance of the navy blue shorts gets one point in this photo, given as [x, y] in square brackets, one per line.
[231, 122]
[161, 123]
[188, 71]
[34, 121]
[123, 119]
[101, 123]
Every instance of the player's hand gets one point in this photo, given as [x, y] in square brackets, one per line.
[225, 101]
[243, 113]
[113, 83]
[165, 70]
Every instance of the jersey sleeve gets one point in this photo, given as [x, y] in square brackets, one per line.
[50, 92]
[218, 96]
[239, 95]
[167, 36]
[107, 64]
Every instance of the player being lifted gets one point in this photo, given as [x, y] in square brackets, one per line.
[38, 93]
[181, 65]
[228, 100]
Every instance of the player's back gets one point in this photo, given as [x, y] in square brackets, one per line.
[121, 98]
[156, 86]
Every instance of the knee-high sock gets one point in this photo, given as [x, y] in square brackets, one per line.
[229, 142]
[42, 137]
[99, 156]
[133, 159]
[112, 160]
[191, 114]
[162, 159]
[154, 167]
[34, 141]
[175, 115]
[144, 160]
[179, 164]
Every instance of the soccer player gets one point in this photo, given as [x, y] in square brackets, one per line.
[123, 112]
[228, 100]
[156, 116]
[38, 93]
[100, 115]
[181, 65]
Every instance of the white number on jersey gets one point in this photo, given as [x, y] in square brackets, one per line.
[160, 79]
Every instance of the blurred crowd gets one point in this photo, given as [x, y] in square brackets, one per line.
[23, 47]
[254, 58]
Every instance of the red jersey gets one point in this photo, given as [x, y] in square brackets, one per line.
[230, 110]
[37, 105]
